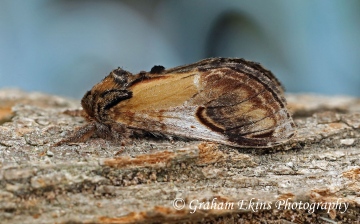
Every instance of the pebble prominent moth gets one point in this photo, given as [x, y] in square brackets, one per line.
[226, 100]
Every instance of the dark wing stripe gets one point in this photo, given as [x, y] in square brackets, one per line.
[205, 121]
[237, 103]
[254, 122]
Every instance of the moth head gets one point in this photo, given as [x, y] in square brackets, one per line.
[106, 93]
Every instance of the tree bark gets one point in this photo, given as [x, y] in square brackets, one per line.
[146, 180]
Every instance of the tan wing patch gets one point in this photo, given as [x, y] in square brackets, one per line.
[154, 96]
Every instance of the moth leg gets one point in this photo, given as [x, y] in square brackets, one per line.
[121, 134]
[80, 135]
[113, 132]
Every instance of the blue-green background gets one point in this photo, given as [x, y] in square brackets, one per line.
[66, 46]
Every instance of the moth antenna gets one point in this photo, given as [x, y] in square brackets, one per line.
[75, 113]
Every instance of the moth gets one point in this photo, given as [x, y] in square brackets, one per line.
[230, 101]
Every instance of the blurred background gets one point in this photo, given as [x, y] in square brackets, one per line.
[64, 47]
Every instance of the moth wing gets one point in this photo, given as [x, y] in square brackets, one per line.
[161, 104]
[224, 105]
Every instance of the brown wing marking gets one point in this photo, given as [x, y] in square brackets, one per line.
[253, 115]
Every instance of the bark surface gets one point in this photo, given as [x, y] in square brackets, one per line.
[103, 182]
